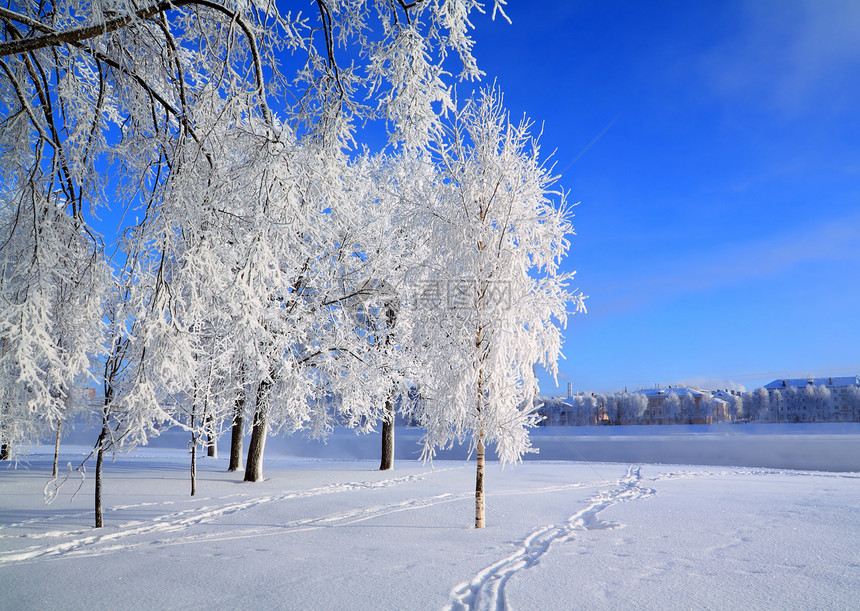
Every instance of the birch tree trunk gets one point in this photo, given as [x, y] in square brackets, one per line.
[479, 483]
[480, 450]
[99, 460]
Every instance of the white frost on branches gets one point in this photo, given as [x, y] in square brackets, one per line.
[257, 258]
[488, 299]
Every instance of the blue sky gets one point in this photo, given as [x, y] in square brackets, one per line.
[714, 148]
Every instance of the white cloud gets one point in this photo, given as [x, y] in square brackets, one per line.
[792, 56]
[729, 265]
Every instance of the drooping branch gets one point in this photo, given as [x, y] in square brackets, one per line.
[67, 37]
[10, 16]
[325, 15]
[75, 36]
[25, 103]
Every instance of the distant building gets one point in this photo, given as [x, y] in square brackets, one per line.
[829, 399]
[693, 406]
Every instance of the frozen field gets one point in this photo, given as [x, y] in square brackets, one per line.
[334, 533]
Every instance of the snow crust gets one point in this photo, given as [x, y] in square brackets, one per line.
[335, 533]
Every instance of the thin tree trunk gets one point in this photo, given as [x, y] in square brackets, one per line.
[254, 465]
[481, 352]
[211, 441]
[193, 464]
[99, 460]
[480, 450]
[4, 447]
[193, 456]
[236, 435]
[57, 447]
[387, 461]
[479, 484]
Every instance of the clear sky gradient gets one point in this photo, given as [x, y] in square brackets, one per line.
[714, 148]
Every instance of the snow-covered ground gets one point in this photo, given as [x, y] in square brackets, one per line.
[332, 532]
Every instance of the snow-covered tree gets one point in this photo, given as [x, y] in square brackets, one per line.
[582, 409]
[748, 409]
[777, 405]
[823, 403]
[492, 297]
[853, 399]
[672, 408]
[736, 407]
[157, 95]
[375, 277]
[580, 412]
[613, 407]
[214, 394]
[307, 300]
[52, 286]
[791, 404]
[633, 407]
[689, 408]
[552, 409]
[706, 408]
[760, 405]
[625, 408]
[132, 410]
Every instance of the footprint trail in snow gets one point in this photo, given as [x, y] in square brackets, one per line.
[103, 541]
[486, 591]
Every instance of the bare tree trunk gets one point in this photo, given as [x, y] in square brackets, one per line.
[254, 465]
[211, 441]
[193, 455]
[479, 484]
[99, 460]
[236, 435]
[57, 447]
[4, 451]
[387, 461]
[193, 464]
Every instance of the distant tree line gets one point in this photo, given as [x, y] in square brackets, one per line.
[813, 403]
[594, 408]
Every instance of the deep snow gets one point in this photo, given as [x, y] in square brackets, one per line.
[334, 533]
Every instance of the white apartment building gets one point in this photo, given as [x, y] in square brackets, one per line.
[829, 399]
